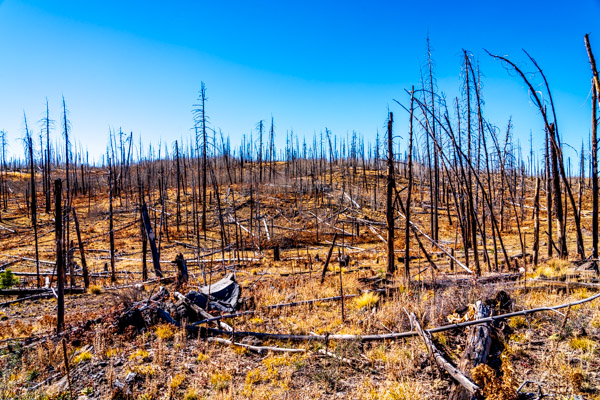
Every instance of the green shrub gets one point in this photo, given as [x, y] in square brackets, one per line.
[8, 279]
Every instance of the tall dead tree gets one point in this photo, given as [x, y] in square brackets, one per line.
[555, 145]
[594, 174]
[260, 151]
[200, 118]
[84, 267]
[66, 128]
[536, 229]
[389, 213]
[548, 195]
[558, 208]
[178, 216]
[47, 123]
[595, 99]
[29, 147]
[409, 195]
[111, 229]
[60, 269]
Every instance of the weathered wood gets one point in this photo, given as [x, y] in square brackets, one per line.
[86, 278]
[536, 229]
[32, 291]
[389, 213]
[476, 352]
[328, 258]
[182, 271]
[151, 239]
[256, 349]
[409, 189]
[59, 256]
[199, 311]
[454, 372]
[399, 335]
[111, 230]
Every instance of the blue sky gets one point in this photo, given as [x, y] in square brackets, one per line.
[310, 64]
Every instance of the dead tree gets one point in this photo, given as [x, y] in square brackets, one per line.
[548, 195]
[594, 175]
[595, 98]
[151, 239]
[536, 229]
[476, 352]
[555, 145]
[409, 189]
[60, 318]
[389, 213]
[200, 116]
[66, 128]
[29, 147]
[47, 122]
[113, 276]
[178, 216]
[84, 267]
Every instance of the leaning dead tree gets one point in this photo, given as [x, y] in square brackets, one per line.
[557, 156]
[595, 98]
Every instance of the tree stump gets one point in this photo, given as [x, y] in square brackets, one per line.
[479, 342]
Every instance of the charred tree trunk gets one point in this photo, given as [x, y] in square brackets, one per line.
[86, 278]
[391, 184]
[409, 195]
[595, 101]
[548, 197]
[594, 174]
[60, 317]
[536, 230]
[113, 276]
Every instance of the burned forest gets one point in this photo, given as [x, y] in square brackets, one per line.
[437, 258]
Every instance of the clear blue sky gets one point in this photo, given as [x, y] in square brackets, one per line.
[310, 64]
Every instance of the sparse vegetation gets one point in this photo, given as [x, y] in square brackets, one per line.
[338, 252]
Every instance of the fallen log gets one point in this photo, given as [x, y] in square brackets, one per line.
[256, 349]
[33, 291]
[439, 359]
[398, 335]
[34, 297]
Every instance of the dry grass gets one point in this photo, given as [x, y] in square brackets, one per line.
[559, 353]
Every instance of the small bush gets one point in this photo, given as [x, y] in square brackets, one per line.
[220, 381]
[83, 356]
[95, 289]
[366, 300]
[139, 353]
[164, 331]
[517, 322]
[176, 381]
[8, 279]
[192, 394]
[583, 344]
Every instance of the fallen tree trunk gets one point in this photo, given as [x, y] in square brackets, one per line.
[34, 291]
[454, 372]
[257, 349]
[396, 335]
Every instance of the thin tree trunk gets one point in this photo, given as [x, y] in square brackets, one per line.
[86, 279]
[536, 231]
[409, 195]
[391, 184]
[60, 317]
[594, 174]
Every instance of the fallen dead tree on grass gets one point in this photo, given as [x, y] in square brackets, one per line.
[395, 335]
